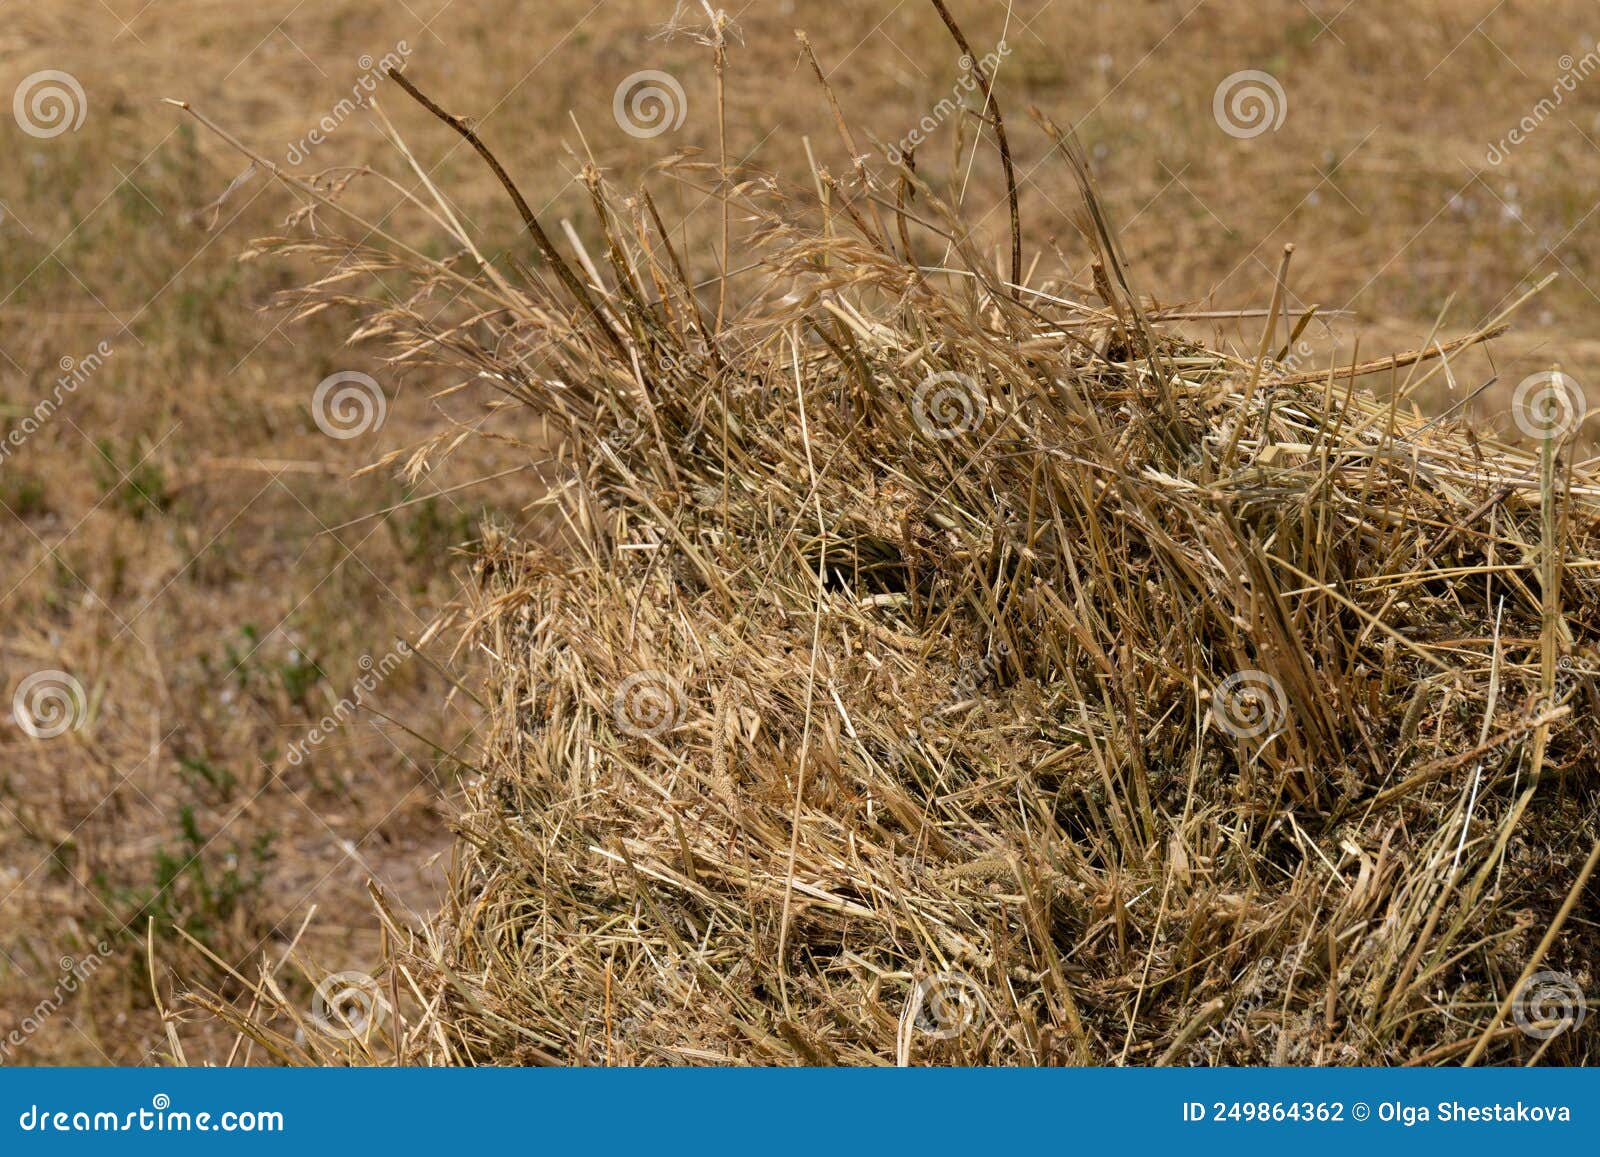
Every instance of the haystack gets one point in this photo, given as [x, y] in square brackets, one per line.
[926, 663]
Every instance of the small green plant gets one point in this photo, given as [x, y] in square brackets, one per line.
[200, 774]
[425, 533]
[298, 674]
[23, 495]
[138, 488]
[239, 661]
[247, 665]
[199, 886]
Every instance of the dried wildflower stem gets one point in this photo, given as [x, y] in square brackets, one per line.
[307, 189]
[720, 62]
[551, 254]
[803, 761]
[1399, 361]
[1550, 551]
[719, 53]
[999, 123]
[846, 137]
[1261, 357]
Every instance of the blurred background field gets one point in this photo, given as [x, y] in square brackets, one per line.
[185, 541]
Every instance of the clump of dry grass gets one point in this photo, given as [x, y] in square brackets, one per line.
[918, 665]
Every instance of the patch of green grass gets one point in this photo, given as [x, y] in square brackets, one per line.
[200, 773]
[23, 494]
[198, 885]
[427, 531]
[248, 665]
[136, 489]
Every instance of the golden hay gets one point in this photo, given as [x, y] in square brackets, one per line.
[924, 667]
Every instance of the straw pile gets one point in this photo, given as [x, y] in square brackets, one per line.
[927, 667]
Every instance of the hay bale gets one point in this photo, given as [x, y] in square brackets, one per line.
[931, 669]
[939, 677]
